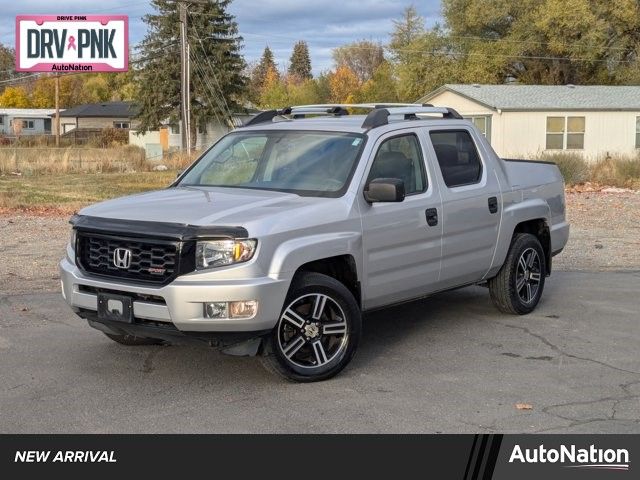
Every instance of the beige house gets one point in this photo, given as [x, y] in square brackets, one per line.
[523, 120]
[99, 116]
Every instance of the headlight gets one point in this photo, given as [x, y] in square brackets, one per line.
[219, 253]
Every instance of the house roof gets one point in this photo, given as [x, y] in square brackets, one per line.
[546, 97]
[105, 109]
[27, 112]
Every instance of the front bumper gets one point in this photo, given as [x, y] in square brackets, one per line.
[180, 303]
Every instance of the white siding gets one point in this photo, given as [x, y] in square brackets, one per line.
[523, 134]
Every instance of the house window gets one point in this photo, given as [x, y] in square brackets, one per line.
[28, 124]
[202, 128]
[637, 132]
[175, 128]
[482, 123]
[565, 133]
[125, 125]
[1, 120]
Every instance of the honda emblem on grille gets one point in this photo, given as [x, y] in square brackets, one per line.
[122, 257]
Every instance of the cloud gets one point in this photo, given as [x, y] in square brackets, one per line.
[323, 24]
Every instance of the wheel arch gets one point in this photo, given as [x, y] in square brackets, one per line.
[341, 267]
[539, 228]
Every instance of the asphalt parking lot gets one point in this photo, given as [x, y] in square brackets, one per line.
[450, 363]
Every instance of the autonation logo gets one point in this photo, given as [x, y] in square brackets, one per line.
[591, 458]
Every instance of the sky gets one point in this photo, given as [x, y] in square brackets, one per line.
[323, 24]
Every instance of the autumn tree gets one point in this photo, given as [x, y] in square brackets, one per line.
[362, 58]
[273, 93]
[343, 84]
[547, 41]
[14, 97]
[381, 87]
[300, 62]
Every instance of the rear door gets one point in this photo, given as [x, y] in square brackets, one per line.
[401, 249]
[471, 204]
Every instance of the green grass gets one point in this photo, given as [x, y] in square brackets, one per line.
[69, 192]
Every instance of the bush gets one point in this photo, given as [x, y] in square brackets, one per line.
[617, 171]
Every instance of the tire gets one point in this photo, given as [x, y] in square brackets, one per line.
[131, 341]
[519, 284]
[317, 333]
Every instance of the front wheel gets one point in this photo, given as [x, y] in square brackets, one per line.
[318, 330]
[518, 286]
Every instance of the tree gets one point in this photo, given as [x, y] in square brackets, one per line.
[14, 97]
[406, 30]
[546, 41]
[7, 63]
[343, 84]
[216, 64]
[273, 93]
[300, 62]
[362, 58]
[259, 74]
[381, 87]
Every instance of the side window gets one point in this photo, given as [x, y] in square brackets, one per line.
[457, 156]
[401, 157]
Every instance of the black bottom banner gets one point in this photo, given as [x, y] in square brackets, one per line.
[464, 457]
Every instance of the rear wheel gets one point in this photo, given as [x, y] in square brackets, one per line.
[132, 341]
[519, 284]
[318, 330]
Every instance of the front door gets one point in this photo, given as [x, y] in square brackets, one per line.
[401, 247]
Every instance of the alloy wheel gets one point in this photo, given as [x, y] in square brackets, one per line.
[528, 275]
[312, 331]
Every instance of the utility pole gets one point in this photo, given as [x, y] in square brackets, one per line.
[185, 80]
[57, 121]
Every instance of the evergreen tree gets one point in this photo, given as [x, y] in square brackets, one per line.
[216, 64]
[300, 62]
[266, 66]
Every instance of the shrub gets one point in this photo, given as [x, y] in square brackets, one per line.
[617, 171]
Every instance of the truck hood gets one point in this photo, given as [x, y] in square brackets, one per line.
[199, 205]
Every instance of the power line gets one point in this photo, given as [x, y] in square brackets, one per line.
[214, 76]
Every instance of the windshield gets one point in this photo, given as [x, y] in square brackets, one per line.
[306, 163]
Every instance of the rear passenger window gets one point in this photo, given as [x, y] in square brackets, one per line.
[457, 156]
[400, 157]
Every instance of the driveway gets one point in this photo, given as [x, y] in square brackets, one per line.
[450, 363]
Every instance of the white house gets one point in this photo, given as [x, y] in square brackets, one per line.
[25, 121]
[169, 136]
[522, 120]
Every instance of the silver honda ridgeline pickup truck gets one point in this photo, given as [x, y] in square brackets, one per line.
[277, 239]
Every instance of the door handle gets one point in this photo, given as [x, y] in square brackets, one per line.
[432, 216]
[493, 204]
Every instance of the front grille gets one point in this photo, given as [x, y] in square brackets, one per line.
[151, 261]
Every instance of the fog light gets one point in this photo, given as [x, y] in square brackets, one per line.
[215, 310]
[244, 309]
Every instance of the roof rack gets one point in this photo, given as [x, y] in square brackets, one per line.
[378, 116]
[381, 116]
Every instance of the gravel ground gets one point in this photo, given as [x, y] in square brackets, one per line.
[605, 235]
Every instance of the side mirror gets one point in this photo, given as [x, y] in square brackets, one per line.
[384, 190]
